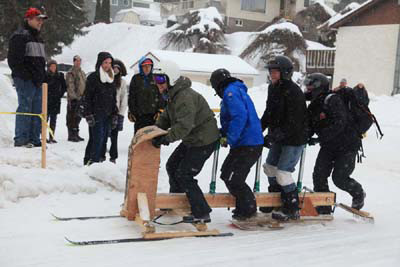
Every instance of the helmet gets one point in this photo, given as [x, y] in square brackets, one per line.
[316, 83]
[218, 76]
[283, 64]
[168, 68]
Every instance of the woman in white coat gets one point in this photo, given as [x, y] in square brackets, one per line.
[122, 104]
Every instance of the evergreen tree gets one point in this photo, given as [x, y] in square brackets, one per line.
[65, 21]
[98, 14]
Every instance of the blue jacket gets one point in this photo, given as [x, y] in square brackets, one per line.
[239, 120]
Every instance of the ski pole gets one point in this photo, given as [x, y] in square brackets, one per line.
[214, 169]
[257, 179]
[301, 170]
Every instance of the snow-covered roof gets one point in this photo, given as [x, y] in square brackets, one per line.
[317, 46]
[347, 11]
[199, 62]
[145, 14]
[283, 26]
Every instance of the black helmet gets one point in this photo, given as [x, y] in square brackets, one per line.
[218, 76]
[283, 64]
[316, 83]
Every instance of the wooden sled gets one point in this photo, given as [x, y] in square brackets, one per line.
[141, 187]
[142, 203]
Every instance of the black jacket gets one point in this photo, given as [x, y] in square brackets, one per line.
[26, 55]
[99, 98]
[361, 95]
[56, 89]
[330, 120]
[144, 97]
[286, 114]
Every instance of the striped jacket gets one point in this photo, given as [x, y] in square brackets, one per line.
[26, 55]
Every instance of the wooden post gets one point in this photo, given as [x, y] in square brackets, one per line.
[44, 127]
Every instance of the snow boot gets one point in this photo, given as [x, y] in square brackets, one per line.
[78, 137]
[192, 219]
[324, 210]
[358, 201]
[72, 136]
[290, 207]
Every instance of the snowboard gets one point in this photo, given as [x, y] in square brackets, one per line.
[142, 171]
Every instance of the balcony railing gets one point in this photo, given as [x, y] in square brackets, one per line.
[320, 60]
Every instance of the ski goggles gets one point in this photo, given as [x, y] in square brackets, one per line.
[160, 78]
[312, 82]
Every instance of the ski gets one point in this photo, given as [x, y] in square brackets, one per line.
[256, 226]
[84, 217]
[357, 213]
[131, 240]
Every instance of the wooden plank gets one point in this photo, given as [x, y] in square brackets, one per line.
[223, 200]
[179, 234]
[143, 206]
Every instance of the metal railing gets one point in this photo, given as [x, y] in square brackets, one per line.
[320, 59]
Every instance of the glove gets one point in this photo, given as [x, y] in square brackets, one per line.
[223, 141]
[159, 140]
[114, 122]
[157, 115]
[131, 117]
[268, 140]
[120, 125]
[90, 119]
[313, 141]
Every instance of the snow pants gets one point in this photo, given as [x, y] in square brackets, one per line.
[183, 164]
[234, 172]
[342, 164]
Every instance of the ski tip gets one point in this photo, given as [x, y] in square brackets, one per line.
[70, 242]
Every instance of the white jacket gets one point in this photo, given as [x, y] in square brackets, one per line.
[122, 98]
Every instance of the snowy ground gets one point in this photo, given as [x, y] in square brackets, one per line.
[30, 237]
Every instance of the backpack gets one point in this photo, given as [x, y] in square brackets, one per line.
[360, 115]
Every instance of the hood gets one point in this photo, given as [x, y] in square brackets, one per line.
[121, 66]
[181, 84]
[50, 62]
[231, 81]
[140, 65]
[101, 57]
[240, 84]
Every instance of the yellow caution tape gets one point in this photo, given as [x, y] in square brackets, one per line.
[44, 120]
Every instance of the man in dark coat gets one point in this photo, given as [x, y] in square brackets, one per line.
[187, 117]
[56, 89]
[100, 107]
[338, 139]
[145, 101]
[286, 119]
[26, 58]
[361, 94]
[241, 130]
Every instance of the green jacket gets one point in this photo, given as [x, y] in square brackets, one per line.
[144, 97]
[188, 116]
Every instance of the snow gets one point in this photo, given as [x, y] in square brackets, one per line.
[349, 9]
[207, 18]
[30, 237]
[206, 62]
[311, 45]
[283, 26]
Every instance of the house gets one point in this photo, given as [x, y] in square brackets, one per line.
[139, 15]
[368, 47]
[198, 67]
[239, 15]
[118, 5]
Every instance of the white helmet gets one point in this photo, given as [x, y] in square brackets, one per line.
[168, 68]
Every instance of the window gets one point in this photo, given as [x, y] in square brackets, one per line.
[114, 2]
[239, 23]
[126, 2]
[138, 4]
[253, 5]
[306, 3]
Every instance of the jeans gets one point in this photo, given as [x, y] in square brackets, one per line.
[53, 122]
[27, 128]
[280, 163]
[97, 135]
[114, 145]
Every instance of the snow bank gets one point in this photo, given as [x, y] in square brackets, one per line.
[8, 103]
[283, 26]
[207, 20]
